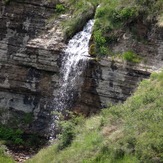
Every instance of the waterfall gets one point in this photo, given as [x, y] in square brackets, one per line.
[74, 61]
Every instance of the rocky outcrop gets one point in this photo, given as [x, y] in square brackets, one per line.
[30, 46]
[112, 80]
[31, 43]
[108, 82]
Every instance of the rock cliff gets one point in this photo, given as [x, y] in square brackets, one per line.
[112, 79]
[31, 43]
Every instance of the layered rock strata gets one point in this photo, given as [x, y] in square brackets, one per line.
[31, 44]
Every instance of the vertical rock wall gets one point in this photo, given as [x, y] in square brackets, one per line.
[30, 47]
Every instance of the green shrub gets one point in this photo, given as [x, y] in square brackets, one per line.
[101, 12]
[67, 134]
[100, 43]
[98, 37]
[16, 137]
[67, 127]
[131, 57]
[127, 13]
[12, 135]
[60, 8]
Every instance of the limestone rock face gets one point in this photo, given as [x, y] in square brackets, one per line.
[109, 82]
[113, 79]
[30, 46]
[31, 43]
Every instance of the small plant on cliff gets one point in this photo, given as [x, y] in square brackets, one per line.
[131, 57]
[60, 8]
[100, 43]
[11, 135]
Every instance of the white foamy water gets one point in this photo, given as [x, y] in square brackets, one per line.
[77, 51]
[74, 62]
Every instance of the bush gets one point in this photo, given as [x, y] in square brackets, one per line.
[59, 8]
[99, 39]
[67, 127]
[100, 43]
[127, 13]
[67, 134]
[131, 57]
[12, 135]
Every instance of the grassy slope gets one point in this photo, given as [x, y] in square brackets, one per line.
[4, 158]
[126, 133]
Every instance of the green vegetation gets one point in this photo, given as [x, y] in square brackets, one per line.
[115, 17]
[80, 11]
[60, 8]
[100, 42]
[131, 57]
[126, 133]
[16, 137]
[4, 158]
[8, 134]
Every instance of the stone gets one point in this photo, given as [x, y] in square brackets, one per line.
[31, 49]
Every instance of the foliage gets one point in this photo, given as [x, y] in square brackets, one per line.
[100, 42]
[59, 8]
[113, 17]
[4, 158]
[67, 134]
[125, 133]
[81, 11]
[67, 128]
[131, 57]
[9, 134]
[16, 137]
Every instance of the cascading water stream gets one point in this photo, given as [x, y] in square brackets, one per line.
[76, 51]
[74, 61]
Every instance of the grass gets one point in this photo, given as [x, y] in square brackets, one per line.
[126, 133]
[4, 158]
[131, 57]
[80, 11]
[114, 18]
